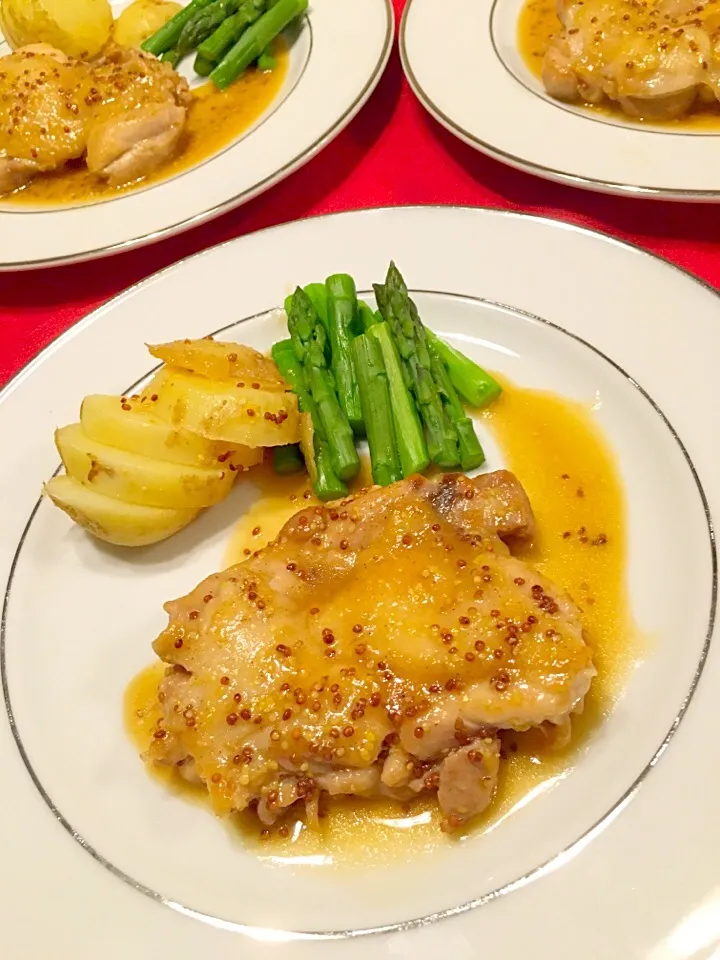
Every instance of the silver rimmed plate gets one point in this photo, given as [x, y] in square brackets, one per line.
[99, 857]
[337, 56]
[486, 95]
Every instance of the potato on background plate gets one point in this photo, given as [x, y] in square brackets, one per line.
[79, 28]
[141, 20]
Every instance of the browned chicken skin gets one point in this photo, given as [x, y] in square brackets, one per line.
[124, 113]
[375, 648]
[655, 58]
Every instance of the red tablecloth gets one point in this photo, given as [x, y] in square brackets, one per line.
[393, 153]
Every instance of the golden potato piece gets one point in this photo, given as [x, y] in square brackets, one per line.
[137, 479]
[307, 444]
[221, 410]
[124, 524]
[221, 361]
[133, 426]
[141, 20]
[79, 28]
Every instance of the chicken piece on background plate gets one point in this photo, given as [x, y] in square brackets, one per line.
[654, 59]
[376, 647]
[124, 112]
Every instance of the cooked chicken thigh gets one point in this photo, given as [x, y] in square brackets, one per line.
[375, 648]
[125, 113]
[655, 58]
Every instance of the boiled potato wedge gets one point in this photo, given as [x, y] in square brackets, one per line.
[307, 444]
[124, 524]
[222, 410]
[221, 361]
[141, 20]
[137, 479]
[79, 28]
[131, 425]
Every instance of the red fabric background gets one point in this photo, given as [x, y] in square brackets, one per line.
[393, 153]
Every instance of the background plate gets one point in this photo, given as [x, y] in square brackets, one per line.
[336, 61]
[485, 95]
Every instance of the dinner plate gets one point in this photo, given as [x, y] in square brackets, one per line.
[486, 96]
[337, 56]
[612, 858]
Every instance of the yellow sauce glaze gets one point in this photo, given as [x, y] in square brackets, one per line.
[216, 118]
[557, 451]
[538, 24]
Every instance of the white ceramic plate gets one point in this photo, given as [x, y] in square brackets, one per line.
[338, 55]
[615, 859]
[486, 96]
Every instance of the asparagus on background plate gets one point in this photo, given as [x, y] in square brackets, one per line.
[212, 49]
[168, 35]
[255, 40]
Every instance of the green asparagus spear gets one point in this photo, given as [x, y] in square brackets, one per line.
[327, 484]
[254, 40]
[471, 452]
[310, 342]
[266, 61]
[367, 317]
[318, 294]
[168, 35]
[376, 410]
[214, 48]
[202, 67]
[203, 25]
[341, 308]
[288, 459]
[318, 297]
[408, 429]
[396, 307]
[474, 384]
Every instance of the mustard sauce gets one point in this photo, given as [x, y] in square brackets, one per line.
[216, 118]
[562, 459]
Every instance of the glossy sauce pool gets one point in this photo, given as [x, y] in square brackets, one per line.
[538, 23]
[216, 118]
[571, 477]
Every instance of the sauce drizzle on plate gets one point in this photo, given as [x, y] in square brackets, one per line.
[560, 456]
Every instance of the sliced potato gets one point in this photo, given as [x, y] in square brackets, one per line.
[137, 479]
[221, 361]
[141, 20]
[124, 524]
[129, 424]
[79, 28]
[221, 410]
[307, 444]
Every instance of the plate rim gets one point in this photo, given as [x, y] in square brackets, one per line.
[245, 196]
[90, 315]
[592, 184]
